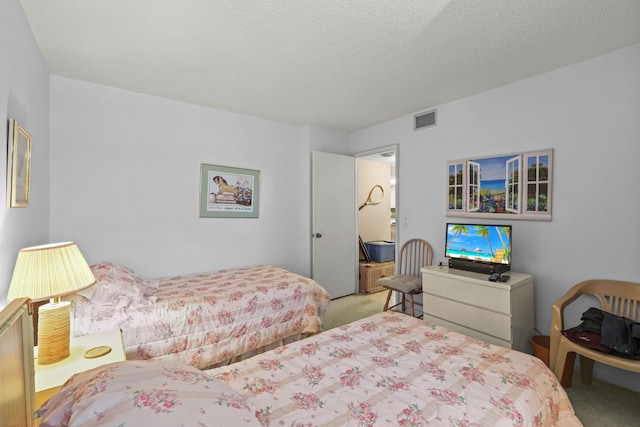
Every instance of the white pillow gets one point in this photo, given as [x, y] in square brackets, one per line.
[146, 392]
[116, 287]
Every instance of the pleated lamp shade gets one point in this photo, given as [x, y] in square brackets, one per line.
[49, 271]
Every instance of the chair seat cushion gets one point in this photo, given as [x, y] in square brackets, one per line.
[401, 283]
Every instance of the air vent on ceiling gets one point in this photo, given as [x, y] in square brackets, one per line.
[424, 120]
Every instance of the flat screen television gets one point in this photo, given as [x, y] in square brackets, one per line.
[471, 245]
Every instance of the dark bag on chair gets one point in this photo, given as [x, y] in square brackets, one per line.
[607, 332]
[591, 321]
[618, 334]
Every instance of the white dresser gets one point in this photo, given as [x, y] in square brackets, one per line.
[501, 313]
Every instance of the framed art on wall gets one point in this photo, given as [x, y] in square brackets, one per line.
[229, 192]
[515, 186]
[18, 166]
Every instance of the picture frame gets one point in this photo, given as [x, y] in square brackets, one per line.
[229, 192]
[514, 186]
[18, 166]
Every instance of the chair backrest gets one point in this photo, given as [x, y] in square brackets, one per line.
[414, 254]
[615, 296]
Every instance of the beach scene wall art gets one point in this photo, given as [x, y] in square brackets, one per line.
[514, 185]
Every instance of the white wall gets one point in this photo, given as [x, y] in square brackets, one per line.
[327, 140]
[589, 114]
[125, 182]
[24, 96]
[374, 221]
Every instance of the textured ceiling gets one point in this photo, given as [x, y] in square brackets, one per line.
[340, 64]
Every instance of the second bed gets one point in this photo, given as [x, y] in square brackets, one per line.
[205, 320]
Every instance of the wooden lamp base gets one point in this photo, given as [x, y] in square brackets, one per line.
[53, 332]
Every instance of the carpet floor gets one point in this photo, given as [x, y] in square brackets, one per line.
[597, 405]
[353, 307]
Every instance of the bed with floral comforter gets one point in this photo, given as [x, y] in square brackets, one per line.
[392, 369]
[386, 370]
[204, 319]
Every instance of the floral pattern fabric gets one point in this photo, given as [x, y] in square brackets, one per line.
[145, 393]
[394, 370]
[202, 319]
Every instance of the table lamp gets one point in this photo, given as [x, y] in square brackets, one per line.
[49, 272]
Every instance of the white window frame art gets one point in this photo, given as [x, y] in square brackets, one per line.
[512, 186]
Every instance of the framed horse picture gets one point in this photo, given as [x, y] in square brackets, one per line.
[228, 192]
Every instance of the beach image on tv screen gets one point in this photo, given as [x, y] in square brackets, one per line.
[484, 243]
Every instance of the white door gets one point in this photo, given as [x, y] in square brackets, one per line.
[333, 223]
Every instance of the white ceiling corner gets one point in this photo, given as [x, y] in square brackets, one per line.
[340, 64]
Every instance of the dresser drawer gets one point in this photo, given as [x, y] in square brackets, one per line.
[489, 297]
[469, 316]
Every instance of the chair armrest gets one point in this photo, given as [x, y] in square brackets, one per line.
[557, 320]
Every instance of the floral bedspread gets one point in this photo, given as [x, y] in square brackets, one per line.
[145, 393]
[203, 319]
[392, 369]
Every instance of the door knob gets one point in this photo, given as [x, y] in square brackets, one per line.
[318, 235]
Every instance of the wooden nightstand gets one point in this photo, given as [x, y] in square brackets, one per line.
[49, 378]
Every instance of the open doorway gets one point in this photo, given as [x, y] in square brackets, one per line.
[377, 172]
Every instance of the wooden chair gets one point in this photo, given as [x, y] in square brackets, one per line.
[617, 297]
[414, 254]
